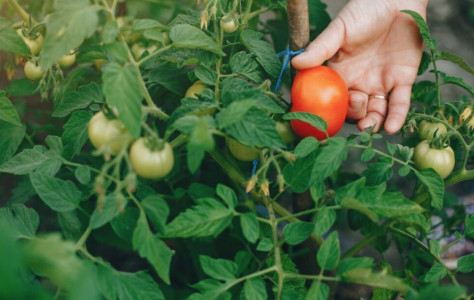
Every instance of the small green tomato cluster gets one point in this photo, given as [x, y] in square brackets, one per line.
[426, 156]
[149, 160]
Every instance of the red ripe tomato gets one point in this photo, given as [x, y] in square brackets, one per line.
[320, 91]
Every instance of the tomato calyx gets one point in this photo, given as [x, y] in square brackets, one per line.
[154, 143]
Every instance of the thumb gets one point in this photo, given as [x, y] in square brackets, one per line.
[322, 48]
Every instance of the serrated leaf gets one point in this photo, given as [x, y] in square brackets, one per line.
[105, 214]
[264, 52]
[24, 162]
[206, 75]
[188, 36]
[298, 174]
[8, 112]
[67, 29]
[466, 264]
[367, 154]
[152, 248]
[329, 252]
[378, 172]
[298, 232]
[60, 195]
[425, 34]
[208, 218]
[75, 133]
[11, 137]
[244, 64]
[75, 100]
[354, 263]
[218, 268]
[382, 279]
[318, 291]
[83, 174]
[227, 194]
[19, 221]
[457, 81]
[435, 273]
[250, 226]
[456, 60]
[114, 284]
[324, 221]
[312, 119]
[329, 159]
[157, 211]
[306, 146]
[254, 289]
[122, 90]
[434, 184]
[10, 41]
[265, 245]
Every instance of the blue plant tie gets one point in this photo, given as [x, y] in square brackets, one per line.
[288, 54]
[254, 167]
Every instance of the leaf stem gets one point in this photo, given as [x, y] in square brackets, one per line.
[21, 12]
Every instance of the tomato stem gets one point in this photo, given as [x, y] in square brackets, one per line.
[21, 12]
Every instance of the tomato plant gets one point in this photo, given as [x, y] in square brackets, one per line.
[320, 91]
[441, 160]
[174, 172]
[33, 42]
[151, 161]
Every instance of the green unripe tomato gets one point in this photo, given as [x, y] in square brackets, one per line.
[428, 130]
[195, 89]
[32, 71]
[441, 160]
[286, 132]
[240, 151]
[151, 163]
[109, 133]
[229, 23]
[35, 45]
[67, 60]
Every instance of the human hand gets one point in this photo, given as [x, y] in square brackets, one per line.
[377, 50]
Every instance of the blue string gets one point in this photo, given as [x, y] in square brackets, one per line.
[288, 54]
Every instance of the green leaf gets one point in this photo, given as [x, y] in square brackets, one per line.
[122, 90]
[435, 291]
[425, 33]
[354, 263]
[218, 268]
[469, 226]
[24, 162]
[114, 284]
[306, 146]
[434, 184]
[435, 273]
[10, 41]
[311, 119]
[83, 174]
[157, 211]
[382, 279]
[329, 252]
[105, 214]
[173, 79]
[19, 221]
[8, 112]
[227, 194]
[208, 218]
[244, 64]
[187, 36]
[250, 226]
[110, 31]
[237, 89]
[82, 98]
[265, 245]
[255, 128]
[329, 159]
[152, 248]
[67, 29]
[263, 50]
[55, 144]
[324, 221]
[379, 172]
[367, 154]
[466, 264]
[254, 289]
[200, 140]
[298, 174]
[21, 88]
[298, 232]
[75, 133]
[60, 195]
[318, 291]
[206, 75]
[457, 81]
[124, 224]
[456, 60]
[11, 137]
